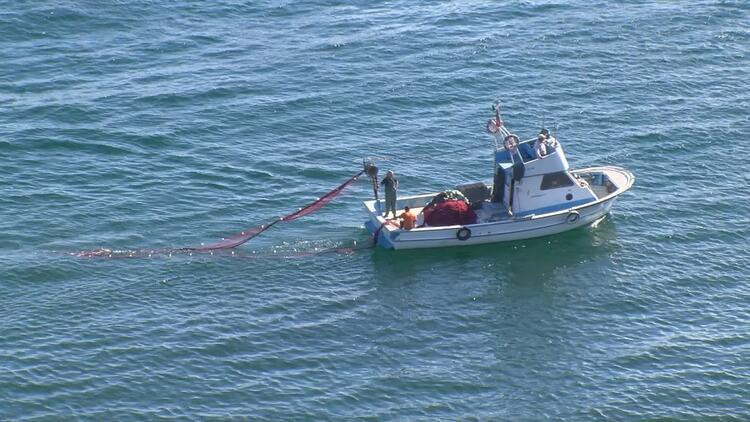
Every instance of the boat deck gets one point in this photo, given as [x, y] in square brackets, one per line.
[489, 212]
[397, 223]
[599, 190]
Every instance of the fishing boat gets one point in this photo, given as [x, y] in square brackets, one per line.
[533, 193]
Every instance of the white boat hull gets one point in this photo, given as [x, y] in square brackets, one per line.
[508, 229]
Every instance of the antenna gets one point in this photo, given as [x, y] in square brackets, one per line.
[495, 124]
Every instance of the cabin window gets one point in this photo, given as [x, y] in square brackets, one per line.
[556, 180]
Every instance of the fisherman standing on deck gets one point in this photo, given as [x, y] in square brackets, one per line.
[391, 186]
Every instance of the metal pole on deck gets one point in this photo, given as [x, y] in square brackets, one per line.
[372, 172]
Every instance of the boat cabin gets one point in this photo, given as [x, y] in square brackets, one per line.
[527, 185]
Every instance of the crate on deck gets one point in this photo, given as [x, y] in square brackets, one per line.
[475, 193]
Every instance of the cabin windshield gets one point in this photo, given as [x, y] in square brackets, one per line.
[556, 180]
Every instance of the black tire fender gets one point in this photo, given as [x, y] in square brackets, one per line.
[573, 217]
[464, 233]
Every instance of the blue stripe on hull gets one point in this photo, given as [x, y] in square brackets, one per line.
[383, 239]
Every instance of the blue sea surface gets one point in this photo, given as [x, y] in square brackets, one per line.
[148, 125]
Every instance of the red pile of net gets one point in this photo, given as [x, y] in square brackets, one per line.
[449, 213]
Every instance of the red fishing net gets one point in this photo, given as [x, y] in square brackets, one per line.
[226, 243]
[236, 239]
[449, 213]
[242, 237]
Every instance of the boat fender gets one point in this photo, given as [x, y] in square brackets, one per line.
[511, 142]
[573, 217]
[463, 233]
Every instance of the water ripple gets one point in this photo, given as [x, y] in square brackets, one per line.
[120, 134]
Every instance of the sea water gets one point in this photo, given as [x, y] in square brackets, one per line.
[148, 125]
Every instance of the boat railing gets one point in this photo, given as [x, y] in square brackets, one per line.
[526, 141]
[527, 152]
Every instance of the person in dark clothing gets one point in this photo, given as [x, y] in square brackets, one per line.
[391, 186]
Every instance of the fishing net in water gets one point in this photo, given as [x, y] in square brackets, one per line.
[235, 239]
[228, 242]
[242, 237]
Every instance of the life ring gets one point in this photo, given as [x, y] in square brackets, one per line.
[511, 142]
[463, 233]
[573, 217]
[493, 125]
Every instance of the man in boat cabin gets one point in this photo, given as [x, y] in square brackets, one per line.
[408, 219]
[545, 144]
[550, 141]
[391, 185]
[540, 146]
